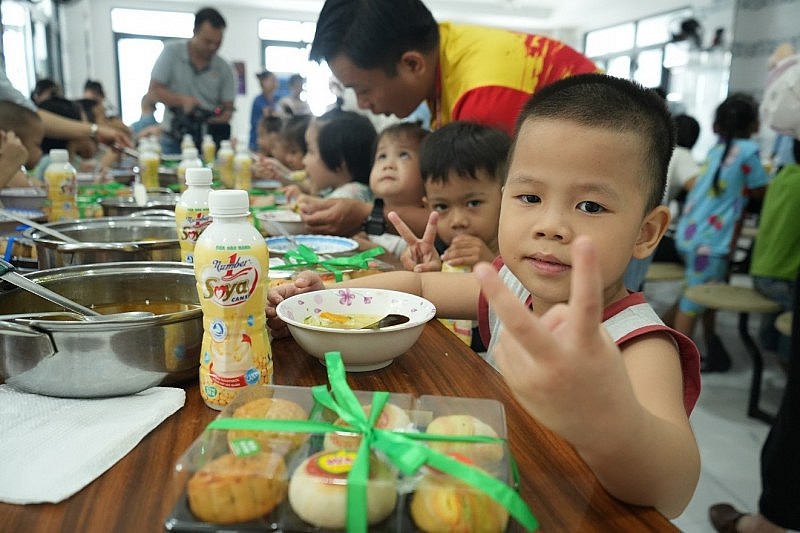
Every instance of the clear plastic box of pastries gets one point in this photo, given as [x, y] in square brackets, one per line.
[243, 480]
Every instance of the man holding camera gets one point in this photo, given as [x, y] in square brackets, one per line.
[194, 83]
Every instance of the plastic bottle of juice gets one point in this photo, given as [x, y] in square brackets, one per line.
[242, 168]
[62, 187]
[231, 264]
[187, 142]
[225, 163]
[189, 159]
[191, 211]
[148, 165]
[209, 150]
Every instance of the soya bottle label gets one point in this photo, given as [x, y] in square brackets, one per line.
[149, 171]
[236, 351]
[191, 224]
[61, 194]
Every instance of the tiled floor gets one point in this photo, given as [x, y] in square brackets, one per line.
[730, 442]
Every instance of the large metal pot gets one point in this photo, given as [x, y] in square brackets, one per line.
[79, 359]
[126, 205]
[107, 240]
[29, 198]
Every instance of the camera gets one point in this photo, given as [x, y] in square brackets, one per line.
[195, 123]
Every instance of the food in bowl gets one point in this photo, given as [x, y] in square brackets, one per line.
[361, 349]
[289, 220]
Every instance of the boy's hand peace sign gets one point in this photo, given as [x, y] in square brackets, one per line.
[421, 254]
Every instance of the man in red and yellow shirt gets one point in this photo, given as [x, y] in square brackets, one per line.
[394, 55]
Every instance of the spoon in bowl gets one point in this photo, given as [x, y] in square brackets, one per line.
[8, 272]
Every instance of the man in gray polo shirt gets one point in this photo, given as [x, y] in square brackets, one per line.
[190, 74]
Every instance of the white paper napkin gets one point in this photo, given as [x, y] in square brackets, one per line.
[50, 448]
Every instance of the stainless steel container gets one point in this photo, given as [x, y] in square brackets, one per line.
[29, 198]
[126, 205]
[79, 359]
[107, 240]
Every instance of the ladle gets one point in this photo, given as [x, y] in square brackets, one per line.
[44, 229]
[8, 272]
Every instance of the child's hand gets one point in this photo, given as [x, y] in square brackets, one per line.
[271, 168]
[562, 367]
[467, 250]
[12, 151]
[421, 255]
[292, 193]
[306, 281]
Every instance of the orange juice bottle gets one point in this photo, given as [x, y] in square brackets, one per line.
[62, 187]
[149, 162]
[209, 149]
[225, 163]
[191, 211]
[242, 168]
[231, 263]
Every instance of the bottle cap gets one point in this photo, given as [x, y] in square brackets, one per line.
[198, 176]
[229, 202]
[59, 155]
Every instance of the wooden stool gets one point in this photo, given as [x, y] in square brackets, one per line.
[784, 323]
[665, 272]
[744, 301]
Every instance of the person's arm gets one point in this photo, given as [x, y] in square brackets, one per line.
[622, 411]
[226, 97]
[162, 93]
[65, 128]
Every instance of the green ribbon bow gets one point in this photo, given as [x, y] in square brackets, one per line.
[305, 257]
[400, 448]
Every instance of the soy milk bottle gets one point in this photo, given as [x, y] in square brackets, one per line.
[189, 159]
[242, 168]
[209, 149]
[225, 163]
[191, 211]
[230, 264]
[62, 187]
[149, 161]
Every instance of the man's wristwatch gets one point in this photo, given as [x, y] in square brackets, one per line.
[93, 131]
[375, 223]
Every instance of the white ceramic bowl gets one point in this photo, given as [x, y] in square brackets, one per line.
[361, 349]
[290, 221]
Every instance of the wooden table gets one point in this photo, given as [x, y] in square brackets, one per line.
[134, 495]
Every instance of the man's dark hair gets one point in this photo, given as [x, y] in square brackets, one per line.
[464, 148]
[44, 85]
[95, 86]
[65, 108]
[210, 15]
[373, 33]
[347, 137]
[617, 105]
